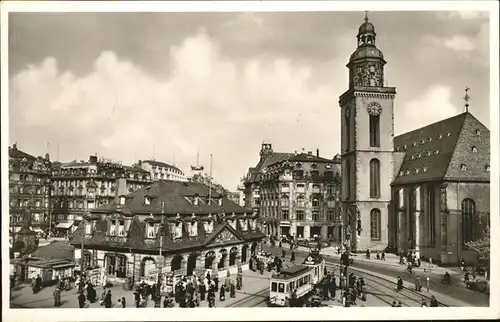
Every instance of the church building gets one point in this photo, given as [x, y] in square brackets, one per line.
[425, 191]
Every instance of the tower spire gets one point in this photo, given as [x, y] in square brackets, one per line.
[466, 99]
[366, 16]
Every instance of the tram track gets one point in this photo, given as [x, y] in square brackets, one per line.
[394, 294]
[253, 300]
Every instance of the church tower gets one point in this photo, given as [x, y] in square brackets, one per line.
[367, 132]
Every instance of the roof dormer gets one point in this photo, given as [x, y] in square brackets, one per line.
[220, 201]
[147, 200]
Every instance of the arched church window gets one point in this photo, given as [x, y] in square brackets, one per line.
[374, 178]
[468, 216]
[374, 110]
[374, 130]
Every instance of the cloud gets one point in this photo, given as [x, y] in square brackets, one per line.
[459, 43]
[464, 15]
[433, 105]
[208, 102]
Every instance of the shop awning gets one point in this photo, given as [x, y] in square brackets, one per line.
[64, 225]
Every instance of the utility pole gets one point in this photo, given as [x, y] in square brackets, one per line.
[158, 283]
[210, 182]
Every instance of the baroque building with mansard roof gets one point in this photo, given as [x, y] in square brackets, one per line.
[194, 230]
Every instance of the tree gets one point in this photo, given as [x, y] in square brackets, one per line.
[482, 247]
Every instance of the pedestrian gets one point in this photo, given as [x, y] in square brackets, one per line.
[203, 289]
[280, 245]
[283, 253]
[399, 304]
[137, 298]
[434, 302]
[367, 255]
[216, 281]
[37, 285]
[418, 285]
[424, 303]
[383, 255]
[378, 255]
[232, 289]
[222, 293]
[103, 297]
[81, 300]
[394, 304]
[211, 298]
[107, 300]
[124, 303]
[57, 297]
[466, 277]
[292, 258]
[91, 293]
[400, 284]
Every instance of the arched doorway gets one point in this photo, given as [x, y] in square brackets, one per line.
[191, 263]
[176, 263]
[253, 248]
[222, 261]
[233, 253]
[209, 259]
[244, 253]
[147, 264]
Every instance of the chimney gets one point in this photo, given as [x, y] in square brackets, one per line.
[310, 152]
[317, 153]
[14, 146]
[139, 162]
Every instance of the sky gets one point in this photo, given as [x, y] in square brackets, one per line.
[136, 86]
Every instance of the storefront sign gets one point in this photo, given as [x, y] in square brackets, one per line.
[94, 276]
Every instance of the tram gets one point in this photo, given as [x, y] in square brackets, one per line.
[299, 278]
[317, 262]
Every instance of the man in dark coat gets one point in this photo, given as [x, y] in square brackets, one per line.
[137, 298]
[292, 258]
[107, 300]
[81, 300]
[434, 302]
[216, 281]
[91, 293]
[38, 284]
[222, 293]
[400, 284]
[203, 291]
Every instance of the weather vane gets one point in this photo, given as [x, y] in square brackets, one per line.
[467, 98]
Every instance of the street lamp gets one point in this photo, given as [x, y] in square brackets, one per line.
[358, 222]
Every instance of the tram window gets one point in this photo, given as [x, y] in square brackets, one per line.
[287, 288]
[274, 287]
[292, 285]
[281, 288]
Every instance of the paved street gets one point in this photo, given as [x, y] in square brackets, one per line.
[390, 269]
[254, 286]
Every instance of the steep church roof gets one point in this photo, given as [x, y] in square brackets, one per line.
[456, 148]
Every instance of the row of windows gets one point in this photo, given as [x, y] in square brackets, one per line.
[429, 139]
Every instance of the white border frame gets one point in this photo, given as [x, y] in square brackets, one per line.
[263, 314]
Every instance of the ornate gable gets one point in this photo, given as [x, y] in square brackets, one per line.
[224, 236]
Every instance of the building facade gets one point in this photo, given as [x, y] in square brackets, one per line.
[237, 197]
[29, 190]
[79, 187]
[161, 170]
[425, 191]
[178, 227]
[296, 194]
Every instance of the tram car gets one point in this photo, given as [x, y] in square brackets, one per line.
[317, 262]
[282, 285]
